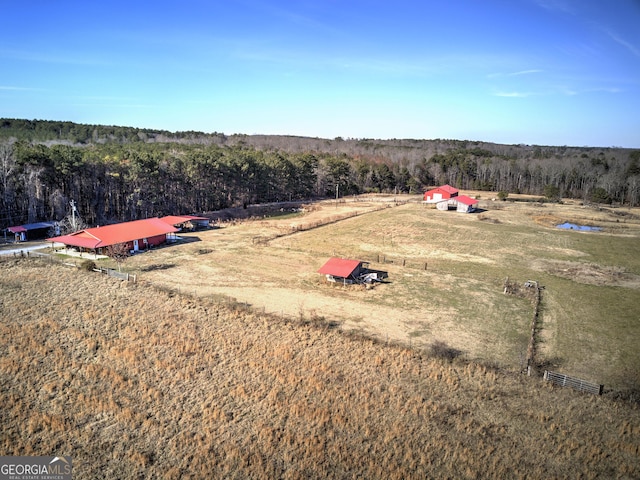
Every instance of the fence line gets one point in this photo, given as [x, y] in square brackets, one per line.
[313, 225]
[513, 288]
[75, 263]
[531, 349]
[116, 274]
[403, 262]
[573, 382]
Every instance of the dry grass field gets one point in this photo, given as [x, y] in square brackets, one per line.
[232, 358]
[446, 277]
[135, 381]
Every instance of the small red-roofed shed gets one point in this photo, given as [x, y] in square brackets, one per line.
[342, 270]
[466, 204]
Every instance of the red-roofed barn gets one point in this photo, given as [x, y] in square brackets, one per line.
[137, 235]
[438, 194]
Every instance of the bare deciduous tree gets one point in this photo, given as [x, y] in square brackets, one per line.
[7, 167]
[119, 252]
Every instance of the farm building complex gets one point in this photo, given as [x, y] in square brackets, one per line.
[137, 235]
[447, 197]
[459, 203]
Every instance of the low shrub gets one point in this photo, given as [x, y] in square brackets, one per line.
[88, 265]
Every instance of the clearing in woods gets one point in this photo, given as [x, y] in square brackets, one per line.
[446, 276]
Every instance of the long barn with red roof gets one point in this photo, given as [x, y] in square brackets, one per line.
[138, 234]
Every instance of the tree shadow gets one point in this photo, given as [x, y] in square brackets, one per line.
[189, 239]
[157, 266]
[549, 364]
[440, 349]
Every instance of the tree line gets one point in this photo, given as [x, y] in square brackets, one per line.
[121, 173]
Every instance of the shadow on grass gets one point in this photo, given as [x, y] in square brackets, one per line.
[189, 239]
[549, 364]
[318, 321]
[157, 266]
[440, 349]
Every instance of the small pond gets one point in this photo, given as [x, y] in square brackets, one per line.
[582, 228]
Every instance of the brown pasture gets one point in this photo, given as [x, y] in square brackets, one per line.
[446, 276]
[138, 381]
[232, 358]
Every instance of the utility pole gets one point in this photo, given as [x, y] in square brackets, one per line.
[73, 215]
[337, 188]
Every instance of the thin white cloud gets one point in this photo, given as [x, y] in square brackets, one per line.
[17, 89]
[621, 41]
[513, 94]
[569, 92]
[524, 72]
[515, 74]
[558, 90]
[294, 58]
[609, 90]
[612, 90]
[53, 58]
[115, 105]
[556, 6]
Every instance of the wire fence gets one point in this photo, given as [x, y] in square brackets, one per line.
[79, 263]
[573, 382]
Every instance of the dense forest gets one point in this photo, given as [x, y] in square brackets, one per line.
[124, 173]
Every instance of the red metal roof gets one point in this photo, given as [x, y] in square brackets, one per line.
[31, 226]
[78, 239]
[444, 188]
[117, 233]
[449, 189]
[339, 267]
[178, 219]
[466, 200]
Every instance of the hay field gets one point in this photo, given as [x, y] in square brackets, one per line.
[445, 282]
[136, 381]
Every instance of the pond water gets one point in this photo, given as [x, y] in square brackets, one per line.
[582, 228]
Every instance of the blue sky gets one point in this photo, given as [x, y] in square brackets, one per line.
[545, 72]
